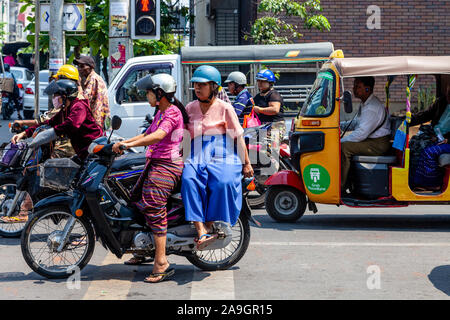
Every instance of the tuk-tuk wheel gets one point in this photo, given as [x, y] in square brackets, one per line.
[285, 204]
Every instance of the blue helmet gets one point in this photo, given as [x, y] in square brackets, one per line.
[207, 73]
[266, 75]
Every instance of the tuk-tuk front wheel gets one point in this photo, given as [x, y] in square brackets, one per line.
[285, 204]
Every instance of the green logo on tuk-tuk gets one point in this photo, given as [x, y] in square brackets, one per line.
[316, 179]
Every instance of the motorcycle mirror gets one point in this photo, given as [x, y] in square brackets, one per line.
[348, 107]
[149, 118]
[116, 122]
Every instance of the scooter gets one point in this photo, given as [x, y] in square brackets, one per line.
[7, 105]
[99, 206]
[265, 160]
[20, 185]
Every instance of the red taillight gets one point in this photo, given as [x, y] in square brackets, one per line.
[20, 86]
[29, 91]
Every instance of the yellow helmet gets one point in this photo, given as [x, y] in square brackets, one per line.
[67, 71]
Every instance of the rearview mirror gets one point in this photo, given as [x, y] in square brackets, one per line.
[116, 122]
[348, 107]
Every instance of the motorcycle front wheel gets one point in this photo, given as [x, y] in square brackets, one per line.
[43, 235]
[225, 258]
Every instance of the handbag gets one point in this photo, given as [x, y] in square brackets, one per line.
[251, 120]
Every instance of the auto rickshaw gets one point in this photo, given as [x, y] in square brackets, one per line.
[381, 181]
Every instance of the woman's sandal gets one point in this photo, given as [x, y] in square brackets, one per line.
[210, 238]
[18, 219]
[164, 275]
[134, 261]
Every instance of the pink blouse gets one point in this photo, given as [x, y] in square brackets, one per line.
[219, 119]
[171, 122]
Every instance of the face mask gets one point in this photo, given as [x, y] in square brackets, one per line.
[56, 102]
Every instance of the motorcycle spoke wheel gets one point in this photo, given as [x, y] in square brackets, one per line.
[221, 259]
[42, 238]
[14, 228]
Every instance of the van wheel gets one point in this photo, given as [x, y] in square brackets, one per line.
[285, 204]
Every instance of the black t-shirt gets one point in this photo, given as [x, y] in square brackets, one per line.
[263, 102]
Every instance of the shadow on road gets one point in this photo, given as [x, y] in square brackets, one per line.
[440, 278]
[387, 222]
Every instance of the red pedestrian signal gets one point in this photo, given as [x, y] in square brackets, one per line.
[145, 19]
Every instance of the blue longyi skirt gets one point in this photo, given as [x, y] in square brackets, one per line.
[211, 182]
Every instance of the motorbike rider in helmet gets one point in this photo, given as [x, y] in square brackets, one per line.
[211, 181]
[221, 93]
[15, 94]
[74, 118]
[269, 105]
[243, 103]
[163, 168]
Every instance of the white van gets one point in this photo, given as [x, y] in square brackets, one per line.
[298, 59]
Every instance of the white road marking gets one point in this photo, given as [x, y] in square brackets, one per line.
[352, 244]
[215, 285]
[110, 289]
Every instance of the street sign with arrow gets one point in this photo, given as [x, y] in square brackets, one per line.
[74, 17]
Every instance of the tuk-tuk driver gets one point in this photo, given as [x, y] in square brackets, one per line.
[371, 128]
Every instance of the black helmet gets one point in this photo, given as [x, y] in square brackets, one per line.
[7, 68]
[66, 87]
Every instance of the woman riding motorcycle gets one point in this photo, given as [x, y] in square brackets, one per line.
[74, 119]
[164, 164]
[211, 182]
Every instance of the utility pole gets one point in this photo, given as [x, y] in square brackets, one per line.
[37, 30]
[56, 36]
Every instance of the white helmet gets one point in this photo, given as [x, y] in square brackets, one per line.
[165, 82]
[237, 77]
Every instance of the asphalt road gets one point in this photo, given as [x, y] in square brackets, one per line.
[338, 253]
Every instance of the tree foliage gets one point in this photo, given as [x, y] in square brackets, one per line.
[97, 25]
[272, 29]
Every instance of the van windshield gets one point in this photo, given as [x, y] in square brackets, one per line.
[320, 99]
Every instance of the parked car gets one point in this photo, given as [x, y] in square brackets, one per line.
[23, 77]
[28, 105]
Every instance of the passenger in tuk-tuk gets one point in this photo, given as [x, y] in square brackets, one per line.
[428, 174]
[371, 128]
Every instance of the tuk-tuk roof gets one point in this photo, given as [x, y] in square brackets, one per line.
[286, 53]
[396, 65]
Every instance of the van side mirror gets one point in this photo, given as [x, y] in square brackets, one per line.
[348, 107]
[116, 122]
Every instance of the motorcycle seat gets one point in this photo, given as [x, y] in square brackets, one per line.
[129, 160]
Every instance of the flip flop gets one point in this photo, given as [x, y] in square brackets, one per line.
[210, 238]
[164, 275]
[14, 219]
[134, 261]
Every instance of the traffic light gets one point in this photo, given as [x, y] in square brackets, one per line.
[145, 19]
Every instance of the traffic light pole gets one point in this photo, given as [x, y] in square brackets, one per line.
[56, 36]
[37, 30]
[120, 44]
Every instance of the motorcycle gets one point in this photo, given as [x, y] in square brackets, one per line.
[20, 185]
[265, 160]
[61, 235]
[7, 105]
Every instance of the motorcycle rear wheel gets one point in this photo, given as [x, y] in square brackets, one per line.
[14, 230]
[223, 259]
[39, 243]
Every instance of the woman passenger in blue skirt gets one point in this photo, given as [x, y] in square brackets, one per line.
[211, 181]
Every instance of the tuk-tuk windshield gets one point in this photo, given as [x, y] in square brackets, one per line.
[320, 100]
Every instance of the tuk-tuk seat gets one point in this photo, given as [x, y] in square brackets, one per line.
[444, 159]
[376, 159]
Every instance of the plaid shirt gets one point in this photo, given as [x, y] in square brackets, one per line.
[222, 95]
[95, 90]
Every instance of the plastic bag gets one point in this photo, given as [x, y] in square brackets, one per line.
[251, 120]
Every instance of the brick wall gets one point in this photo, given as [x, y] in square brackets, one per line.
[414, 27]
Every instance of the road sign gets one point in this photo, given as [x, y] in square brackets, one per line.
[74, 17]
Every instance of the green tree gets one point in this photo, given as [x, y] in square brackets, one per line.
[272, 29]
